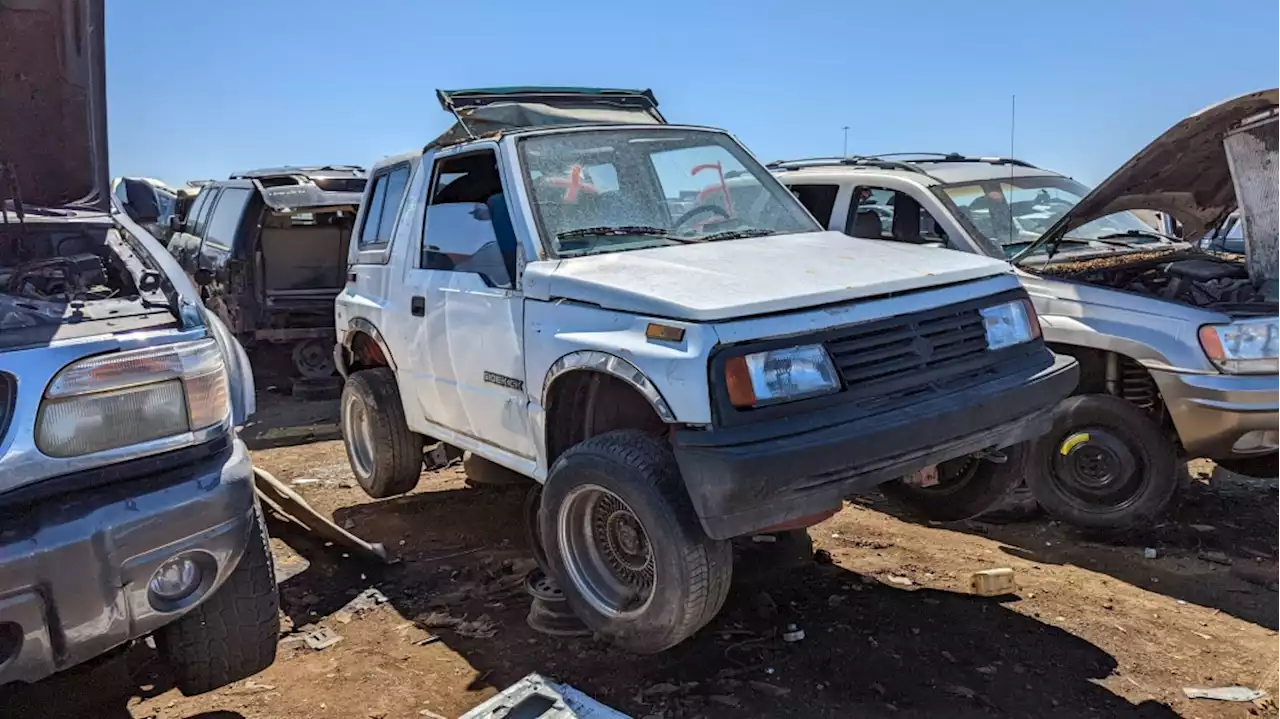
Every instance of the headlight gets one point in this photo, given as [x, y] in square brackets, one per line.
[1244, 347]
[783, 375]
[1009, 324]
[127, 398]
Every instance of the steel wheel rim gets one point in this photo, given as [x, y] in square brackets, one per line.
[359, 436]
[606, 551]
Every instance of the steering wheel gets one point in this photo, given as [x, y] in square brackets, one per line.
[699, 210]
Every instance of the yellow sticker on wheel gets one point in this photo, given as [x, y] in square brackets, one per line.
[1072, 442]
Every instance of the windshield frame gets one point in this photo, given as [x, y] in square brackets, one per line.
[1027, 182]
[768, 182]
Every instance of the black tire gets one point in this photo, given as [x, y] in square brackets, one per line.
[533, 526]
[394, 461]
[483, 473]
[969, 486]
[1062, 462]
[692, 572]
[1264, 467]
[232, 635]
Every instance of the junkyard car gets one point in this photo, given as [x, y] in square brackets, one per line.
[524, 290]
[126, 499]
[268, 249]
[1177, 346]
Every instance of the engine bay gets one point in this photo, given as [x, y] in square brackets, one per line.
[1216, 281]
[62, 264]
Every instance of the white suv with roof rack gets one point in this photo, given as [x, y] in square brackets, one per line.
[1177, 346]
[562, 285]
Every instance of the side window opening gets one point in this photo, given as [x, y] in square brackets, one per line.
[225, 220]
[819, 200]
[468, 227]
[384, 205]
[879, 213]
[199, 222]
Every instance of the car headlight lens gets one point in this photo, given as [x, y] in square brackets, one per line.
[126, 398]
[1244, 347]
[1010, 323]
[783, 375]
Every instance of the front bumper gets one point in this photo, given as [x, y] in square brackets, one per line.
[74, 568]
[741, 482]
[1213, 411]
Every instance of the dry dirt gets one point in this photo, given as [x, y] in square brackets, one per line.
[1096, 629]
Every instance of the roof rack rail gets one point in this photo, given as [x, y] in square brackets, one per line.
[952, 157]
[850, 161]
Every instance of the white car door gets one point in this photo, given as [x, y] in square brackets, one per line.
[465, 325]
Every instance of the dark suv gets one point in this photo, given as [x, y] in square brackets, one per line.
[268, 249]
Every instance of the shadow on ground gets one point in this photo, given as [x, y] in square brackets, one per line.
[283, 422]
[870, 650]
[1217, 548]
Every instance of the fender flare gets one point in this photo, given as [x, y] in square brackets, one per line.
[360, 324]
[613, 365]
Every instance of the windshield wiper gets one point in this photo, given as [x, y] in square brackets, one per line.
[621, 231]
[1134, 234]
[735, 235]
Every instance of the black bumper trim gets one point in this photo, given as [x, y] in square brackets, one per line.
[739, 485]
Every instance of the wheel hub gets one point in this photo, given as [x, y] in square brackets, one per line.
[606, 550]
[1097, 464]
[312, 359]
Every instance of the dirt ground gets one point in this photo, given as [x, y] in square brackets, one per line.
[1096, 629]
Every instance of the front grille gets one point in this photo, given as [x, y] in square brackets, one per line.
[6, 403]
[912, 358]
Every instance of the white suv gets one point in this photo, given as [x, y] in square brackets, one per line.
[532, 288]
[1177, 346]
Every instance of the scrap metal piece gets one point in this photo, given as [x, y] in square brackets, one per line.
[290, 505]
[536, 697]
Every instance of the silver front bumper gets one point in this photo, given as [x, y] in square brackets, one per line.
[1213, 412]
[74, 568]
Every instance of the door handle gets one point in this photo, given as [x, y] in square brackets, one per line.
[418, 306]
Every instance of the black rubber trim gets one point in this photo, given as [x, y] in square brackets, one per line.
[743, 479]
[142, 475]
[724, 414]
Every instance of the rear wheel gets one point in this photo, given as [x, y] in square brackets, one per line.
[967, 486]
[385, 456]
[1105, 464]
[625, 545]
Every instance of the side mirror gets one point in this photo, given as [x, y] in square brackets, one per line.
[175, 223]
[202, 277]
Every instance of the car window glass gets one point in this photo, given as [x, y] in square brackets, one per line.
[819, 200]
[373, 212]
[196, 207]
[396, 181]
[226, 217]
[460, 234]
[200, 215]
[876, 212]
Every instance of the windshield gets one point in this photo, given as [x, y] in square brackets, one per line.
[614, 190]
[1014, 212]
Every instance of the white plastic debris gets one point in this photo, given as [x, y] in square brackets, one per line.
[1150, 553]
[1224, 694]
[792, 633]
[538, 698]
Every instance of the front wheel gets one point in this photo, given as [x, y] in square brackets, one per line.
[967, 487]
[232, 635]
[1105, 464]
[625, 545]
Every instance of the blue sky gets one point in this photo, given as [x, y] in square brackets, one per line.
[199, 90]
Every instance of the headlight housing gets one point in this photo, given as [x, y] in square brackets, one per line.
[1010, 323]
[1244, 347]
[127, 398]
[782, 375]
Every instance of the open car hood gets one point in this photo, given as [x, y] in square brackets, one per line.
[1183, 172]
[53, 112]
[486, 111]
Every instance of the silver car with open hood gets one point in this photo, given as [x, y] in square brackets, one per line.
[126, 498]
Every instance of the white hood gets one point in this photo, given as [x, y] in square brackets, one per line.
[741, 278]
